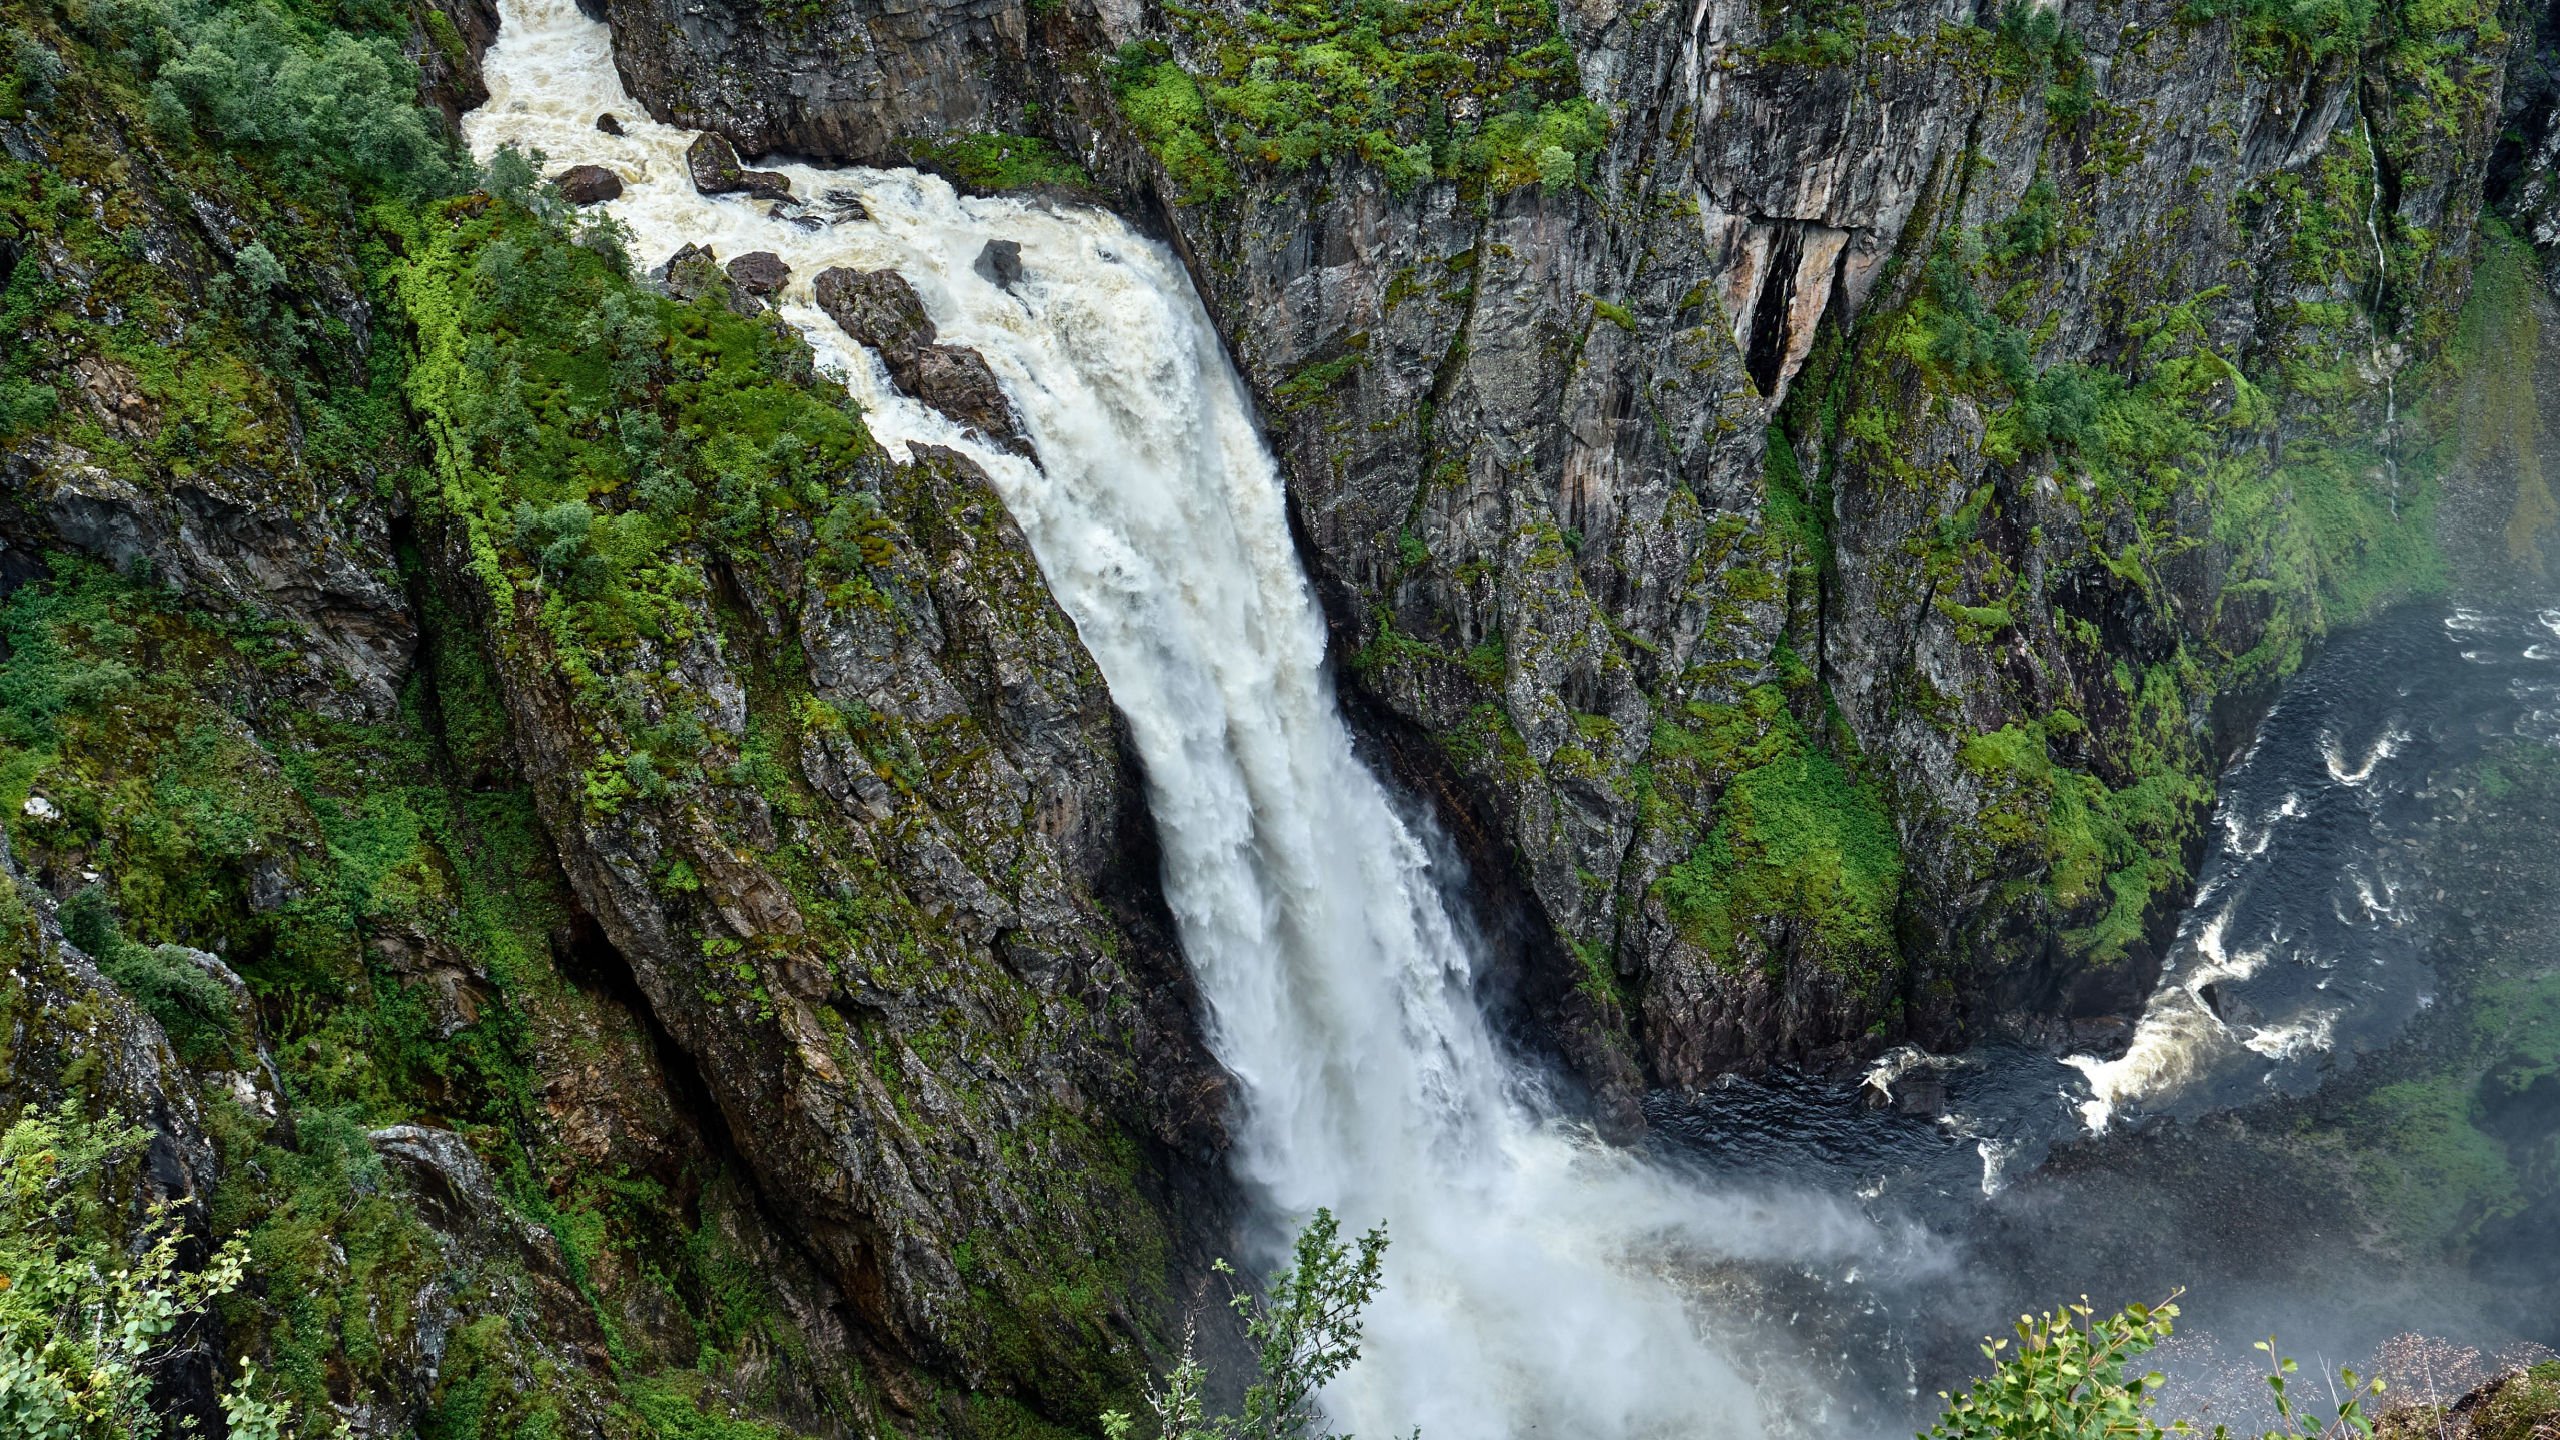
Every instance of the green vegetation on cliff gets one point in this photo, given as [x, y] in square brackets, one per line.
[1797, 842]
[1478, 91]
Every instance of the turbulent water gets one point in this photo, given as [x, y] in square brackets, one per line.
[2358, 865]
[1529, 1288]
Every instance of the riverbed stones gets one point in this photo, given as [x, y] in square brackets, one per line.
[713, 164]
[588, 184]
[760, 273]
[956, 381]
[1000, 263]
[878, 308]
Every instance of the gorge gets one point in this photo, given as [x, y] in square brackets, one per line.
[1780, 678]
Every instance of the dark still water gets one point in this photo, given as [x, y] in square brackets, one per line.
[2339, 1119]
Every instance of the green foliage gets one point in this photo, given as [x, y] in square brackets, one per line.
[190, 1004]
[2037, 52]
[316, 103]
[2066, 1380]
[83, 1318]
[1812, 32]
[2314, 29]
[666, 1410]
[1305, 1330]
[1797, 839]
[1171, 116]
[2106, 850]
[595, 439]
[2525, 1407]
[35, 70]
[991, 160]
[1479, 91]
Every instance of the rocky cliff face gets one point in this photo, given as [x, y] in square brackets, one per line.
[687, 945]
[1822, 538]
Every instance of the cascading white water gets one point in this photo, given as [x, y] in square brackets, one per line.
[1523, 1295]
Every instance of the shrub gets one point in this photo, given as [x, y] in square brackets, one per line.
[83, 1319]
[320, 106]
[191, 1005]
[1304, 1331]
[2066, 1380]
[35, 68]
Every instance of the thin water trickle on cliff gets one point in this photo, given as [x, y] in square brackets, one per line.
[1529, 1285]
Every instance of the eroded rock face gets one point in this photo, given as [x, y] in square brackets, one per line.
[951, 941]
[849, 79]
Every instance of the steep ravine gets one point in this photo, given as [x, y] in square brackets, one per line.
[2078, 309]
[632, 896]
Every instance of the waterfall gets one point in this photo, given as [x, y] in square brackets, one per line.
[1528, 1284]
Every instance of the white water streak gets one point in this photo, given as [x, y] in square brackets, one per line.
[1525, 1293]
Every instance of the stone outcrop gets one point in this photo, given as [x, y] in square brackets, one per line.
[848, 80]
[760, 273]
[881, 310]
[1000, 263]
[878, 308]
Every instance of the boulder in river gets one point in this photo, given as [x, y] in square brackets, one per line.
[588, 184]
[878, 308]
[1000, 262]
[693, 273]
[956, 381]
[716, 171]
[760, 272]
[609, 125]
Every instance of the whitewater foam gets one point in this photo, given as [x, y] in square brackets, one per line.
[2362, 774]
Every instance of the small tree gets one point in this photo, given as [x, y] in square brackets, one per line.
[2066, 1380]
[81, 1322]
[1305, 1331]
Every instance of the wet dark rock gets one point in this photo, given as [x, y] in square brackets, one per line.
[1921, 1093]
[956, 381]
[882, 311]
[878, 308]
[1000, 262]
[608, 124]
[760, 272]
[2228, 1005]
[844, 205]
[588, 184]
[714, 166]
